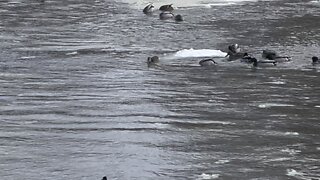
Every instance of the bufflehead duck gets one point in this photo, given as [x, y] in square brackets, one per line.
[250, 59]
[167, 7]
[148, 9]
[207, 62]
[273, 55]
[166, 15]
[234, 48]
[246, 58]
[153, 61]
[178, 18]
[234, 52]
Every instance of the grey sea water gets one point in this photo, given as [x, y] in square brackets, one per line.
[77, 100]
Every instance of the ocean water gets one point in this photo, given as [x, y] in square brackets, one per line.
[78, 101]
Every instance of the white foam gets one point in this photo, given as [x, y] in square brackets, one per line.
[199, 53]
[317, 106]
[278, 115]
[315, 2]
[292, 172]
[219, 4]
[27, 57]
[224, 2]
[211, 122]
[72, 53]
[290, 151]
[268, 105]
[222, 161]
[276, 82]
[159, 125]
[292, 133]
[208, 176]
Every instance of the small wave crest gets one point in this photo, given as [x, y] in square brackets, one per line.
[276, 82]
[208, 176]
[226, 3]
[219, 4]
[27, 57]
[294, 173]
[315, 2]
[222, 161]
[290, 151]
[292, 133]
[269, 105]
[185, 53]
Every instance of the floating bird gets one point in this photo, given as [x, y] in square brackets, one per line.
[153, 61]
[246, 58]
[166, 15]
[234, 48]
[166, 8]
[235, 56]
[315, 60]
[252, 60]
[178, 18]
[104, 178]
[207, 62]
[148, 9]
[234, 52]
[273, 55]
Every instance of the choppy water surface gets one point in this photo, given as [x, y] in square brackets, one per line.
[77, 100]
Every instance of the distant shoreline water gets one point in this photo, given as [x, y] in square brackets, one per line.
[186, 3]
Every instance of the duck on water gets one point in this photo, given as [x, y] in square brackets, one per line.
[166, 12]
[234, 52]
[273, 55]
[207, 62]
[153, 61]
[315, 60]
[248, 60]
[166, 15]
[169, 15]
[167, 7]
[178, 18]
[257, 63]
[148, 9]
